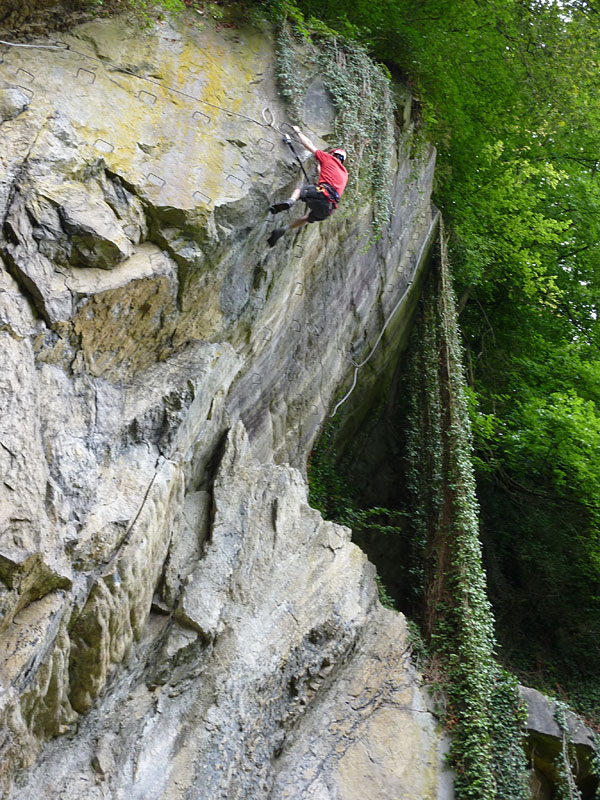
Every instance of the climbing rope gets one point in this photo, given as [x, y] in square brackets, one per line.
[288, 141]
[64, 46]
[387, 322]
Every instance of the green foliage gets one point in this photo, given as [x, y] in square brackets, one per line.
[147, 9]
[418, 648]
[292, 87]
[384, 597]
[328, 492]
[486, 751]
[508, 720]
[508, 93]
[332, 494]
[145, 12]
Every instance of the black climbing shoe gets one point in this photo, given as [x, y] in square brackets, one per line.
[275, 236]
[277, 207]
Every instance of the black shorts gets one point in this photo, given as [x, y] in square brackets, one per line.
[320, 206]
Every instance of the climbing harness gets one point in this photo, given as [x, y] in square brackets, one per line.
[387, 322]
[330, 193]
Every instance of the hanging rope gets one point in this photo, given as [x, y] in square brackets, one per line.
[288, 141]
[387, 322]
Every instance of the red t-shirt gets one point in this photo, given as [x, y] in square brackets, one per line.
[333, 171]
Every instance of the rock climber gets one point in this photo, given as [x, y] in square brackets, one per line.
[322, 198]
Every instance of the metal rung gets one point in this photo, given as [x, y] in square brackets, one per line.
[155, 180]
[298, 251]
[236, 181]
[299, 288]
[29, 92]
[104, 146]
[24, 75]
[86, 75]
[268, 334]
[296, 325]
[147, 97]
[202, 198]
[200, 117]
[265, 144]
[256, 379]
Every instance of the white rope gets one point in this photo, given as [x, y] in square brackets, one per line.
[388, 320]
[61, 46]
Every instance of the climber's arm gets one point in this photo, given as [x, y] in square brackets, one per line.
[305, 140]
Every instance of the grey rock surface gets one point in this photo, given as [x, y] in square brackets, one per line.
[176, 620]
[541, 711]
[13, 101]
[547, 744]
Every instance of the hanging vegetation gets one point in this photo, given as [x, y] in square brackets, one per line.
[567, 787]
[486, 748]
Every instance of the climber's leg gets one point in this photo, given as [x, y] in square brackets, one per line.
[279, 232]
[298, 223]
[286, 204]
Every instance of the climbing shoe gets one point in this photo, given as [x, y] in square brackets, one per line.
[277, 207]
[275, 236]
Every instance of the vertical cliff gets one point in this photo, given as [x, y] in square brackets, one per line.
[176, 620]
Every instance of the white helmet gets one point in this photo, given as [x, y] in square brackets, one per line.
[340, 154]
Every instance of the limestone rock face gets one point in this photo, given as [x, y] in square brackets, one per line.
[175, 619]
[547, 743]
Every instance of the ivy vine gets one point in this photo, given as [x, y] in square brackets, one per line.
[483, 710]
[566, 785]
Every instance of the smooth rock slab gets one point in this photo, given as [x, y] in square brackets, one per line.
[372, 734]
